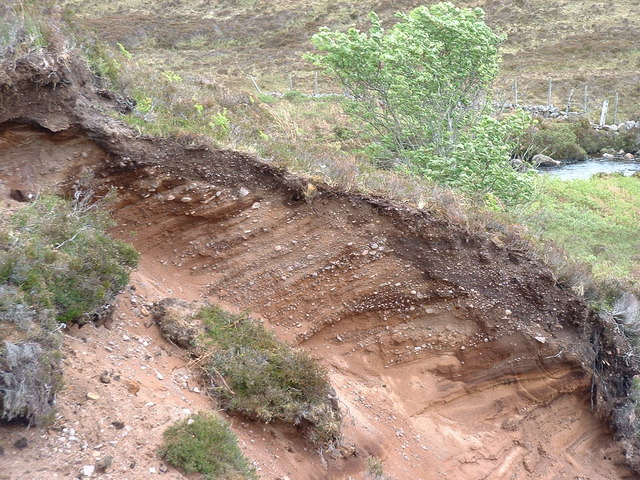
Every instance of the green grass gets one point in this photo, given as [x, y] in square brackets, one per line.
[266, 379]
[22, 31]
[203, 443]
[597, 221]
[58, 254]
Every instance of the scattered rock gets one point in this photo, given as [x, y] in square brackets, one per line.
[608, 156]
[256, 205]
[511, 425]
[21, 443]
[117, 424]
[541, 339]
[629, 156]
[541, 160]
[132, 386]
[88, 470]
[104, 464]
[105, 378]
[243, 192]
[186, 199]
[93, 396]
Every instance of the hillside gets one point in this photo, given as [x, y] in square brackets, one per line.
[453, 351]
[576, 44]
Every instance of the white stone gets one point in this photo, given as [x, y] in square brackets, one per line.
[88, 470]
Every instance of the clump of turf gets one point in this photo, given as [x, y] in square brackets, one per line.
[203, 443]
[253, 373]
[59, 255]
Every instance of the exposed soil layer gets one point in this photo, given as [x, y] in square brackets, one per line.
[454, 355]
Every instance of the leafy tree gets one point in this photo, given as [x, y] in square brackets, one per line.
[421, 89]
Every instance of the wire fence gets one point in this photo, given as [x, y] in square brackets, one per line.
[560, 99]
[549, 99]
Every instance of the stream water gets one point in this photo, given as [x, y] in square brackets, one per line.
[593, 166]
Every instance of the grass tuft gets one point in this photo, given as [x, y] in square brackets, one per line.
[58, 254]
[258, 376]
[205, 444]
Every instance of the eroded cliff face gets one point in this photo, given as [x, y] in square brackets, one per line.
[453, 353]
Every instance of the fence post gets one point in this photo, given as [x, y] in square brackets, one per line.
[255, 84]
[615, 110]
[585, 106]
[569, 101]
[515, 92]
[291, 83]
[603, 113]
[549, 94]
[315, 83]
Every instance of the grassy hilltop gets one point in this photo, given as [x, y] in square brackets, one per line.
[575, 43]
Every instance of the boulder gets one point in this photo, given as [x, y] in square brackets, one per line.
[519, 165]
[541, 160]
[629, 156]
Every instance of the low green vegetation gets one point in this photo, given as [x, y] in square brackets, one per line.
[57, 265]
[59, 256]
[30, 371]
[254, 374]
[375, 469]
[575, 140]
[595, 221]
[22, 29]
[203, 443]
